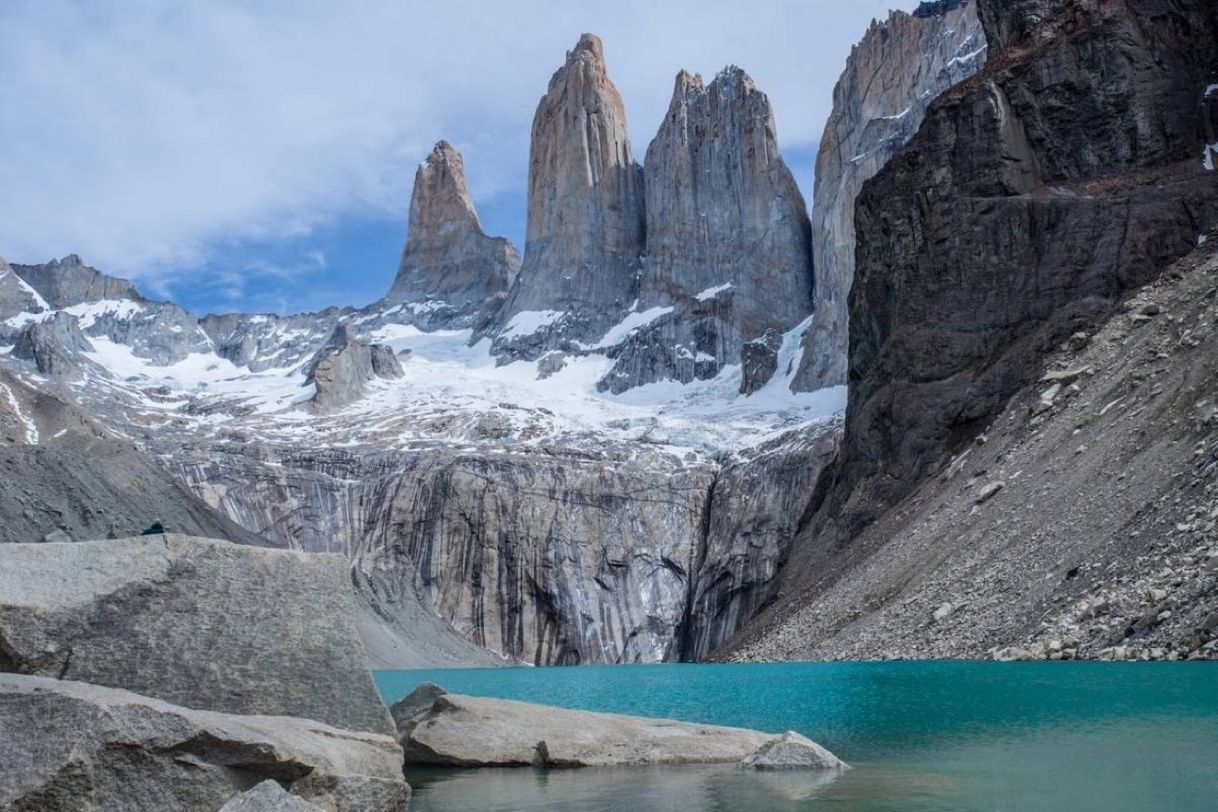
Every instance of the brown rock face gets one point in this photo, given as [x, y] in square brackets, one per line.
[585, 213]
[452, 273]
[879, 102]
[728, 238]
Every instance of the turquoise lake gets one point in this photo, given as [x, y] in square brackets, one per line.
[939, 736]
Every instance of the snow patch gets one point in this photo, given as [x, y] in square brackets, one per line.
[1207, 156]
[633, 322]
[528, 322]
[31, 428]
[711, 293]
[969, 57]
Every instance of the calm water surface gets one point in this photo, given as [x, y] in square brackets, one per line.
[921, 736]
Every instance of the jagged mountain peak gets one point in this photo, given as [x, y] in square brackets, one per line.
[451, 274]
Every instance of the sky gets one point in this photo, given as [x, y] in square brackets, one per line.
[258, 155]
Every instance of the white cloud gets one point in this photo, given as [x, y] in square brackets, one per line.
[139, 133]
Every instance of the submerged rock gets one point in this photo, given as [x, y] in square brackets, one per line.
[452, 274]
[197, 622]
[73, 746]
[466, 731]
[792, 751]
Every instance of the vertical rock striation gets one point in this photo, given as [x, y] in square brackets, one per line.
[728, 240]
[879, 102]
[452, 274]
[585, 227]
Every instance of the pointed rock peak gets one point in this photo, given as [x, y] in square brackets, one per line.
[441, 195]
[589, 44]
[686, 82]
[734, 77]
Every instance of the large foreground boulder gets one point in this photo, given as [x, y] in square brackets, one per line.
[200, 623]
[439, 728]
[72, 746]
[791, 751]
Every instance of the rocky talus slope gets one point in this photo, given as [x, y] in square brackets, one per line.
[584, 236]
[981, 487]
[452, 274]
[728, 240]
[891, 78]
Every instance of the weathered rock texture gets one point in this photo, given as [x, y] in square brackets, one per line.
[71, 746]
[16, 296]
[756, 503]
[546, 558]
[1100, 545]
[269, 796]
[452, 274]
[585, 232]
[69, 281]
[792, 751]
[55, 346]
[728, 238]
[344, 366]
[879, 102]
[1034, 198]
[466, 731]
[210, 624]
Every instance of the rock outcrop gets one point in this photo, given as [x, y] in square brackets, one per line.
[74, 746]
[211, 625]
[890, 80]
[55, 345]
[1035, 199]
[16, 296]
[1026, 205]
[452, 274]
[728, 237]
[69, 281]
[464, 731]
[585, 232]
[341, 370]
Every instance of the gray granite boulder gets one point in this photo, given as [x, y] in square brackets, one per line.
[201, 623]
[269, 796]
[74, 746]
[791, 751]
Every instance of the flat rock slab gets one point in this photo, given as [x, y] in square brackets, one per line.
[469, 731]
[200, 623]
[73, 746]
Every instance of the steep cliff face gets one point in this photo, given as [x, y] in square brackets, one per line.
[728, 242]
[879, 102]
[585, 229]
[548, 559]
[1033, 200]
[452, 274]
[16, 296]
